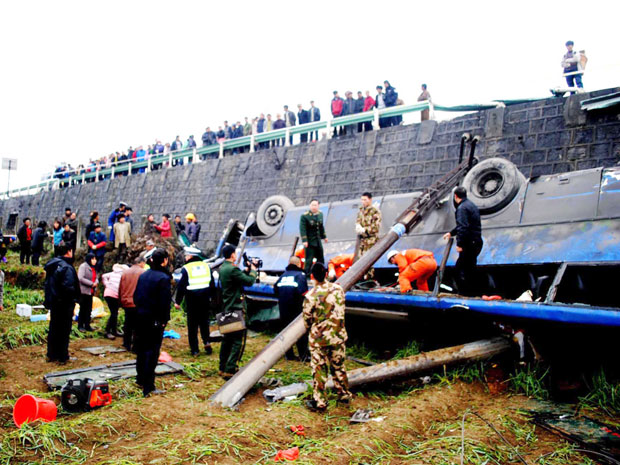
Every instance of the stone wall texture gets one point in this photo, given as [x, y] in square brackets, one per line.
[540, 137]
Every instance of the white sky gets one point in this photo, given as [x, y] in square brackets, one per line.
[82, 79]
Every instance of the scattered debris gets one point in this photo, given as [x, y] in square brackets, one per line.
[274, 395]
[299, 430]
[593, 436]
[288, 454]
[164, 357]
[30, 408]
[361, 361]
[102, 350]
[269, 382]
[364, 416]
[171, 334]
[121, 370]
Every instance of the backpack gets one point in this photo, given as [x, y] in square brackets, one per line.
[337, 107]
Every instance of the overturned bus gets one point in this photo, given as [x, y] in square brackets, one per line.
[556, 236]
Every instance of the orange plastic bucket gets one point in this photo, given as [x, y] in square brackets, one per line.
[30, 408]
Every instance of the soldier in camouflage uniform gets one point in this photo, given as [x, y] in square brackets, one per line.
[367, 227]
[323, 314]
[312, 231]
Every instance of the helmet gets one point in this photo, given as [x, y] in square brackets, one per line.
[193, 251]
[391, 253]
[190, 216]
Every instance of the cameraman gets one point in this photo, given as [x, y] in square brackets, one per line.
[233, 280]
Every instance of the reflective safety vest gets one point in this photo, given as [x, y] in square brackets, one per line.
[199, 275]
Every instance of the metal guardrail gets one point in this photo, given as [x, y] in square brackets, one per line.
[127, 168]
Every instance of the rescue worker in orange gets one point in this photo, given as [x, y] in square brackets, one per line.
[339, 264]
[301, 254]
[413, 265]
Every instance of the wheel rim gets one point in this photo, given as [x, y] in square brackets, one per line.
[273, 215]
[489, 184]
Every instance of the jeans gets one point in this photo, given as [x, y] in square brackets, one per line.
[61, 319]
[149, 338]
[112, 326]
[574, 80]
[465, 268]
[86, 307]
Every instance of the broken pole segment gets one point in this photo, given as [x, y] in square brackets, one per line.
[237, 386]
[426, 361]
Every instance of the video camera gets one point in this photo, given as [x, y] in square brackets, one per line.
[247, 261]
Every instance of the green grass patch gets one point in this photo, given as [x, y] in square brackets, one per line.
[530, 380]
[604, 394]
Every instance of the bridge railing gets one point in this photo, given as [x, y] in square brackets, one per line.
[219, 150]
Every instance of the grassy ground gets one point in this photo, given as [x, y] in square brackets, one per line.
[421, 422]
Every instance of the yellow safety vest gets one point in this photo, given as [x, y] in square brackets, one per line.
[199, 275]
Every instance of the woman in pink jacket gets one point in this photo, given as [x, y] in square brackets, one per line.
[164, 228]
[111, 282]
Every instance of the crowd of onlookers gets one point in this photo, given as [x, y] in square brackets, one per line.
[385, 97]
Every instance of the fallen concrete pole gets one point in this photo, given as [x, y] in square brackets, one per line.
[237, 386]
[412, 366]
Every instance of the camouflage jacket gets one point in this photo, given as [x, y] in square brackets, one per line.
[311, 228]
[324, 315]
[369, 218]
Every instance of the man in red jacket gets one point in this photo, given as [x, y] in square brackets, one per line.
[413, 265]
[337, 107]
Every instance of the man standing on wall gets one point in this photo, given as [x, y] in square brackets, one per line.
[303, 117]
[367, 227]
[337, 107]
[315, 115]
[312, 231]
[468, 233]
[425, 95]
[323, 314]
[289, 120]
[571, 64]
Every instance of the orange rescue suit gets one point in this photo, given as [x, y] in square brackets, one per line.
[415, 265]
[340, 263]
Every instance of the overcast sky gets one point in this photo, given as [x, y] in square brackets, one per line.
[83, 79]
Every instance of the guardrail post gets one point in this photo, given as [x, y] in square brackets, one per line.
[328, 128]
[113, 170]
[129, 169]
[375, 112]
[84, 177]
[287, 135]
[194, 156]
[431, 110]
[221, 149]
[252, 142]
[170, 160]
[97, 175]
[148, 164]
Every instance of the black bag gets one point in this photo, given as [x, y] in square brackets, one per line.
[230, 322]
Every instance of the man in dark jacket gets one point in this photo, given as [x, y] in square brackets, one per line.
[233, 281]
[62, 291]
[290, 289]
[197, 288]
[359, 108]
[96, 245]
[193, 228]
[38, 238]
[152, 298]
[179, 227]
[468, 233]
[24, 234]
[391, 97]
[279, 124]
[69, 237]
[349, 109]
[315, 115]
[303, 117]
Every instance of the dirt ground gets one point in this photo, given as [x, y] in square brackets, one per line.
[421, 425]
